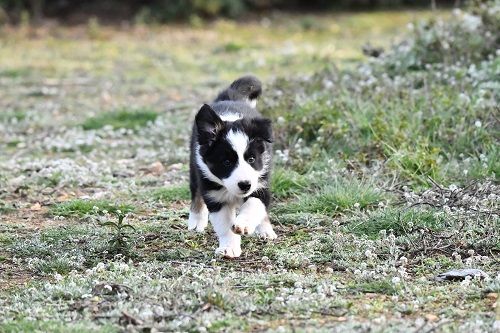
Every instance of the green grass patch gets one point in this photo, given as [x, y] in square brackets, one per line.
[61, 265]
[172, 194]
[230, 47]
[400, 221]
[285, 183]
[54, 326]
[123, 118]
[80, 208]
[15, 72]
[6, 239]
[377, 287]
[5, 207]
[341, 195]
[9, 115]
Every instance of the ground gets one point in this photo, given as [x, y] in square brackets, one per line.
[371, 202]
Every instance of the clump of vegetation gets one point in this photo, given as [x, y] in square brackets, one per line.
[426, 110]
[470, 37]
[172, 194]
[120, 242]
[398, 221]
[122, 118]
[379, 287]
[5, 207]
[338, 196]
[286, 182]
[81, 208]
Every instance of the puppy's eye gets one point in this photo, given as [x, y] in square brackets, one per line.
[251, 160]
[227, 163]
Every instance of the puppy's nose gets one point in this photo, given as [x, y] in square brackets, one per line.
[244, 186]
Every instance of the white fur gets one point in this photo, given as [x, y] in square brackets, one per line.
[223, 195]
[252, 102]
[229, 242]
[252, 213]
[244, 171]
[198, 221]
[265, 230]
[230, 116]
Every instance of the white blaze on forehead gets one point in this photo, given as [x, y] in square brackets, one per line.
[239, 141]
[230, 116]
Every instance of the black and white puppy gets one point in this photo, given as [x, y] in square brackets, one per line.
[230, 167]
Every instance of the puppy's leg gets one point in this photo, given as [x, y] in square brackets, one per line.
[265, 229]
[252, 213]
[229, 242]
[198, 214]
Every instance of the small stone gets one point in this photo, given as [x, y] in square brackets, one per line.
[36, 207]
[156, 168]
[492, 296]
[431, 317]
[461, 274]
[174, 167]
[48, 190]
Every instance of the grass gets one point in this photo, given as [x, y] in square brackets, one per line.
[81, 208]
[358, 142]
[27, 325]
[285, 183]
[338, 196]
[172, 194]
[398, 221]
[379, 287]
[123, 118]
[5, 208]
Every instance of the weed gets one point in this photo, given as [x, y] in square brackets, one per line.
[120, 243]
[216, 299]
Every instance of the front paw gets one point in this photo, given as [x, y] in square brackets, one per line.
[266, 232]
[228, 252]
[242, 229]
[197, 221]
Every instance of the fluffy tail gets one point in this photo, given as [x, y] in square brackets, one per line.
[245, 89]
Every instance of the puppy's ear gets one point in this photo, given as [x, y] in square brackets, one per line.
[262, 129]
[208, 124]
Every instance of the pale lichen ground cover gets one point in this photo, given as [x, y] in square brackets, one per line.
[94, 121]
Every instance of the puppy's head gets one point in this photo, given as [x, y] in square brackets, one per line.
[233, 154]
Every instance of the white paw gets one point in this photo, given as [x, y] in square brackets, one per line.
[243, 226]
[266, 232]
[197, 221]
[228, 252]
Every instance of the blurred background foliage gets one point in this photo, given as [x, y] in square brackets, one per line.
[165, 11]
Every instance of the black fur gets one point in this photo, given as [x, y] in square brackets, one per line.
[246, 87]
